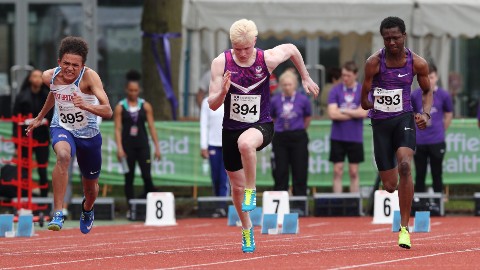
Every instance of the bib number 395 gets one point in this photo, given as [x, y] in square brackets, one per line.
[71, 117]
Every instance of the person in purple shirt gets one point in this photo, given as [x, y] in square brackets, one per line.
[431, 140]
[292, 113]
[346, 137]
[240, 81]
[386, 93]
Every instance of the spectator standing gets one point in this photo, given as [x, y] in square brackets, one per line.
[333, 78]
[431, 146]
[291, 112]
[346, 137]
[131, 136]
[212, 153]
[30, 100]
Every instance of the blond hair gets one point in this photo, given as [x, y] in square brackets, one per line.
[243, 31]
[289, 74]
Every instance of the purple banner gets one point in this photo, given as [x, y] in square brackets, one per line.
[165, 72]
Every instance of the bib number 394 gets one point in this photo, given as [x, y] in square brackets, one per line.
[388, 100]
[245, 108]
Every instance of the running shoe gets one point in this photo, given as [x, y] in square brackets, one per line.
[248, 241]
[56, 223]
[86, 220]
[249, 200]
[404, 238]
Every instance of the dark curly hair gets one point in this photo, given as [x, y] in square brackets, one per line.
[73, 45]
[392, 22]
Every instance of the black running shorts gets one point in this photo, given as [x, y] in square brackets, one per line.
[391, 134]
[231, 155]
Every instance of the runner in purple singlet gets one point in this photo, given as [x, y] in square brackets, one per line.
[240, 80]
[386, 93]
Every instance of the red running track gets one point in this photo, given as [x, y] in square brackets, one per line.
[323, 243]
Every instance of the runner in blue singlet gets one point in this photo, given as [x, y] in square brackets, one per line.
[77, 93]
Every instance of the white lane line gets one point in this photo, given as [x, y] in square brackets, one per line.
[317, 224]
[407, 259]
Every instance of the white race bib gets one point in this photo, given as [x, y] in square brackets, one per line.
[245, 108]
[71, 117]
[388, 100]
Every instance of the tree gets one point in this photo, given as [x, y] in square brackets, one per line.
[160, 17]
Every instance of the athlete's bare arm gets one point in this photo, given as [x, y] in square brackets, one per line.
[219, 83]
[117, 120]
[420, 66]
[372, 67]
[47, 106]
[93, 84]
[280, 54]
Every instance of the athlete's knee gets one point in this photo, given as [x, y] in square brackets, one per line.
[390, 188]
[245, 146]
[404, 168]
[63, 157]
[90, 190]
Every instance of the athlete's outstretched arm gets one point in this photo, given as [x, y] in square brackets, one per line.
[282, 53]
[47, 106]
[219, 83]
[372, 67]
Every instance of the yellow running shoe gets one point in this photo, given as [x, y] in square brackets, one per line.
[249, 200]
[248, 240]
[404, 238]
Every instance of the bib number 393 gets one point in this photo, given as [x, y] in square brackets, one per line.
[72, 118]
[388, 100]
[245, 108]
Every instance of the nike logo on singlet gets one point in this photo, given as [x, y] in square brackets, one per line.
[402, 75]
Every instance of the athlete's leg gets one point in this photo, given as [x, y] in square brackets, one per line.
[90, 191]
[248, 143]
[89, 158]
[405, 188]
[237, 183]
[60, 173]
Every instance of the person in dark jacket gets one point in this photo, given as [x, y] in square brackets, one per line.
[29, 101]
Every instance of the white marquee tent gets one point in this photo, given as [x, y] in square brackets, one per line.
[430, 24]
